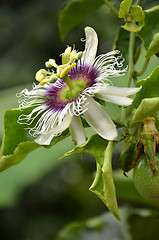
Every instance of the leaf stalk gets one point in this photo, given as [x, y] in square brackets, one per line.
[112, 7]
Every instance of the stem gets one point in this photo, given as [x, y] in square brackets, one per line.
[111, 7]
[130, 70]
[136, 129]
[144, 67]
[131, 59]
[123, 115]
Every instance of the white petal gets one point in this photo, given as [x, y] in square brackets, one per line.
[119, 100]
[99, 120]
[44, 139]
[77, 130]
[64, 124]
[119, 91]
[90, 46]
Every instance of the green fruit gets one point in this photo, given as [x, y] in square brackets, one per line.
[146, 183]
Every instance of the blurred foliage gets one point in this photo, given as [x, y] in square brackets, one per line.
[70, 17]
[105, 227]
[30, 36]
[52, 202]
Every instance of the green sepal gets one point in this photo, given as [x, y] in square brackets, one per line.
[103, 184]
[150, 152]
[132, 27]
[154, 46]
[137, 14]
[149, 139]
[124, 8]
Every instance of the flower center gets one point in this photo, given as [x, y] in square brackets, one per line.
[67, 93]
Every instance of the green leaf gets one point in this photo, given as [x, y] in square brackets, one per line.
[147, 108]
[103, 185]
[74, 12]
[124, 8]
[19, 154]
[154, 46]
[151, 26]
[14, 132]
[94, 146]
[17, 142]
[109, 188]
[150, 87]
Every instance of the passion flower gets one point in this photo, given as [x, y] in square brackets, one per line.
[146, 183]
[62, 97]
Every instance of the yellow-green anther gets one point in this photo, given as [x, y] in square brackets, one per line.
[75, 56]
[66, 55]
[40, 75]
[53, 78]
[43, 82]
[51, 63]
[65, 70]
[68, 50]
[47, 64]
[73, 52]
[68, 62]
[79, 55]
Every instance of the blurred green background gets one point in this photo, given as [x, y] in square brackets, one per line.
[42, 194]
